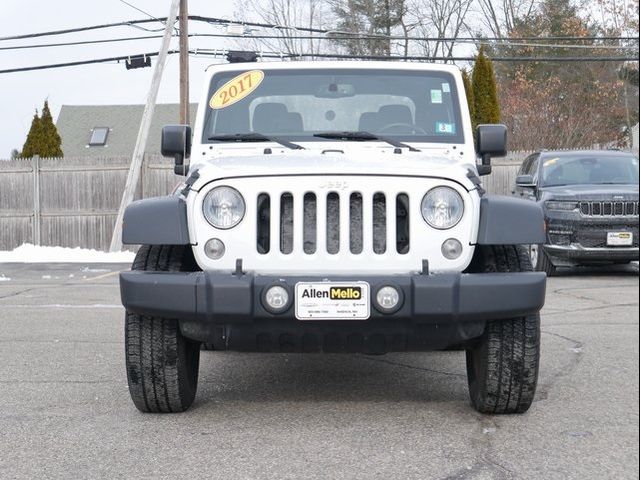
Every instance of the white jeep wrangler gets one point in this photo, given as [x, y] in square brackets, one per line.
[333, 207]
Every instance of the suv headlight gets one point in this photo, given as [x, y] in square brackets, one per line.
[223, 207]
[560, 205]
[442, 207]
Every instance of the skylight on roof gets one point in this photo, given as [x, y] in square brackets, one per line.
[99, 136]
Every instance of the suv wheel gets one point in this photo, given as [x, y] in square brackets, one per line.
[502, 365]
[540, 261]
[162, 365]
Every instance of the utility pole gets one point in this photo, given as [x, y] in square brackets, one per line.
[184, 62]
[143, 133]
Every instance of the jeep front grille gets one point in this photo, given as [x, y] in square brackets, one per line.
[609, 209]
[334, 222]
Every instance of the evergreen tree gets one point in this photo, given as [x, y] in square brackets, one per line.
[31, 145]
[468, 90]
[51, 142]
[43, 138]
[485, 95]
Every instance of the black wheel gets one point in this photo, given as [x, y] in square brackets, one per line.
[502, 365]
[162, 365]
[540, 260]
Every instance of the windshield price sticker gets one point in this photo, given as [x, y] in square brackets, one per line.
[236, 89]
[332, 301]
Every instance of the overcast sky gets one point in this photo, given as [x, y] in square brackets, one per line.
[22, 93]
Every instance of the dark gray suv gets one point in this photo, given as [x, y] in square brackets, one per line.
[590, 200]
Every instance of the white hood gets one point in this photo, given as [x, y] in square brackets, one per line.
[439, 163]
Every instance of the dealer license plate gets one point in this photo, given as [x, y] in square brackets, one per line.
[619, 239]
[332, 301]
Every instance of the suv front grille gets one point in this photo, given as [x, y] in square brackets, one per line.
[609, 209]
[595, 236]
[334, 222]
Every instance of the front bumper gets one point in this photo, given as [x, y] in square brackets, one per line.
[575, 254]
[228, 299]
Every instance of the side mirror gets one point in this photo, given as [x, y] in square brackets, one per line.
[491, 141]
[525, 181]
[176, 143]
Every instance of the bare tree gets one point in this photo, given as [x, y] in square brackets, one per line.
[501, 17]
[441, 19]
[288, 15]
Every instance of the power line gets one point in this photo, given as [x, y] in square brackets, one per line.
[81, 62]
[141, 11]
[129, 23]
[85, 42]
[439, 59]
[426, 39]
[289, 56]
[301, 37]
[331, 34]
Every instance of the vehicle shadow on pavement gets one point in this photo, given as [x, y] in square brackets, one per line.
[599, 271]
[419, 377]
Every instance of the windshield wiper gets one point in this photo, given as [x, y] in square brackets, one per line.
[254, 137]
[364, 136]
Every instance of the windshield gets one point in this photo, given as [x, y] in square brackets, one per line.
[296, 104]
[591, 170]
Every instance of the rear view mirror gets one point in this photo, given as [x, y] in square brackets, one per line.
[176, 143]
[491, 142]
[525, 181]
[336, 90]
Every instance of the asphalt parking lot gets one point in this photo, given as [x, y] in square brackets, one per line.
[65, 410]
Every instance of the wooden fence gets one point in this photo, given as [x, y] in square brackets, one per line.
[73, 202]
[70, 202]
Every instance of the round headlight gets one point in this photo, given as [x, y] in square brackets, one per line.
[442, 207]
[223, 207]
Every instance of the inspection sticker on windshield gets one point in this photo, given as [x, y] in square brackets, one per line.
[619, 239]
[436, 96]
[236, 89]
[332, 301]
[443, 127]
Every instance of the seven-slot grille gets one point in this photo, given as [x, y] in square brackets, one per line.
[335, 222]
[609, 209]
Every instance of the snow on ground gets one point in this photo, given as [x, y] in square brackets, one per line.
[27, 253]
[4, 279]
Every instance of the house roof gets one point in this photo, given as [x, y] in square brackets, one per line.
[76, 123]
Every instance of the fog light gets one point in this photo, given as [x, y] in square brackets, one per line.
[388, 299]
[214, 249]
[276, 299]
[451, 248]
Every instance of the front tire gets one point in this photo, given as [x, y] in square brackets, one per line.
[502, 365]
[162, 364]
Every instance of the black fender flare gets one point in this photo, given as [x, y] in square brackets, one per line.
[510, 221]
[156, 221]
